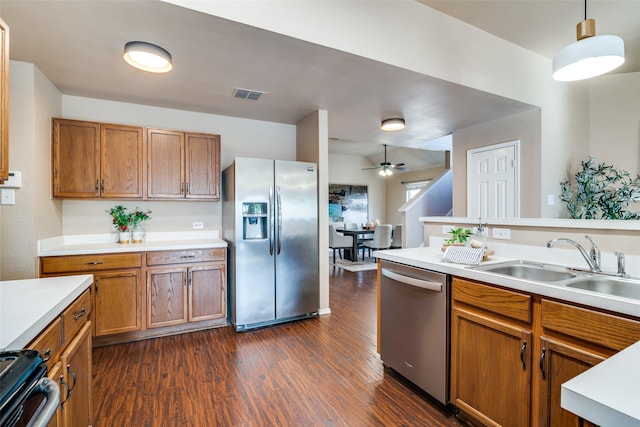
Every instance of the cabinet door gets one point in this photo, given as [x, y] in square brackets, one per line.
[166, 297]
[207, 299]
[559, 362]
[117, 302]
[4, 100]
[487, 357]
[76, 160]
[121, 163]
[202, 166]
[76, 366]
[165, 163]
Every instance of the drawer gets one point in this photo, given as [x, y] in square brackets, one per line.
[89, 263]
[180, 257]
[603, 329]
[49, 342]
[75, 316]
[514, 305]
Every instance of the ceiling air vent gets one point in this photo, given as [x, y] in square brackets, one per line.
[253, 95]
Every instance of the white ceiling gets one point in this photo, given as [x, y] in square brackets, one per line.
[78, 46]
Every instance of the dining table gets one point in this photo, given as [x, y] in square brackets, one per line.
[352, 255]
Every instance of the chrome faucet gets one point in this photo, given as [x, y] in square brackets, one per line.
[592, 258]
[621, 267]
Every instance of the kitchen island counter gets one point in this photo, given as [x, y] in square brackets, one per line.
[28, 306]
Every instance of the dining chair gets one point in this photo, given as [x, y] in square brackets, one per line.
[396, 240]
[381, 239]
[338, 242]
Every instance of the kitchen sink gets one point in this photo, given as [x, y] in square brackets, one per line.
[529, 271]
[608, 286]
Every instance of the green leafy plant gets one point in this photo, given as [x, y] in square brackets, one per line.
[600, 191]
[458, 235]
[123, 221]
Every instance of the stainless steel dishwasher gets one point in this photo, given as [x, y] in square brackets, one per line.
[414, 326]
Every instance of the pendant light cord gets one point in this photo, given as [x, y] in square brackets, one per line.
[585, 10]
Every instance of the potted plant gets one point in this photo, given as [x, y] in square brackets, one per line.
[121, 222]
[136, 218]
[459, 237]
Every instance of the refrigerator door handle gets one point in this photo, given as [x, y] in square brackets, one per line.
[279, 219]
[271, 221]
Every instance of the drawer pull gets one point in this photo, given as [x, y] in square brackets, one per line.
[94, 263]
[73, 375]
[544, 352]
[187, 256]
[47, 355]
[80, 314]
[66, 386]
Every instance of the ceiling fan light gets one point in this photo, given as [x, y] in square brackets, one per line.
[392, 124]
[147, 57]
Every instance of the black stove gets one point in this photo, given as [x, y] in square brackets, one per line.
[27, 396]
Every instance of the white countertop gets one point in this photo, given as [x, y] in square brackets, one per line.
[85, 244]
[606, 394]
[28, 306]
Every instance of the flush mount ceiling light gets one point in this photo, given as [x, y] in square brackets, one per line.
[148, 57]
[392, 124]
[590, 56]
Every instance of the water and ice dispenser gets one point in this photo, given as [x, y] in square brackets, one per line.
[254, 220]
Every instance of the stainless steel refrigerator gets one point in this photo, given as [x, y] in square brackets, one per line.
[270, 222]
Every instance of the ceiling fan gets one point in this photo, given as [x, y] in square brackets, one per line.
[386, 168]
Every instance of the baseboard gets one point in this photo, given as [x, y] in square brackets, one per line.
[324, 311]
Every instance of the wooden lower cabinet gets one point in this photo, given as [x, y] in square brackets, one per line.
[117, 302]
[511, 352]
[76, 372]
[491, 357]
[559, 362]
[178, 295]
[66, 346]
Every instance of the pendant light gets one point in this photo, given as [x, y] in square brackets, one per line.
[392, 124]
[590, 55]
[147, 57]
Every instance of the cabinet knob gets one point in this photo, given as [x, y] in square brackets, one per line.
[80, 314]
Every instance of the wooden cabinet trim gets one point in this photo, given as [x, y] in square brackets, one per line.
[510, 304]
[4, 101]
[185, 256]
[75, 316]
[603, 329]
[89, 263]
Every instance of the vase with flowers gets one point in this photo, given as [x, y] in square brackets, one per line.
[136, 218]
[121, 221]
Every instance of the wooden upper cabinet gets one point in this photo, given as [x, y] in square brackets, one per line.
[4, 100]
[121, 161]
[183, 165]
[202, 166]
[94, 160]
[165, 163]
[76, 161]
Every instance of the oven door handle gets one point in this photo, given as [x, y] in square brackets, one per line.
[424, 284]
[51, 391]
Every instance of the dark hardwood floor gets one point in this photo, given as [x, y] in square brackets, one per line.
[316, 372]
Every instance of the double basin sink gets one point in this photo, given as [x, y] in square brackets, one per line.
[567, 277]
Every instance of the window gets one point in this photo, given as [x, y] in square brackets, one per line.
[414, 187]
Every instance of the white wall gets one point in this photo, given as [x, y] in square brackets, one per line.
[239, 138]
[32, 101]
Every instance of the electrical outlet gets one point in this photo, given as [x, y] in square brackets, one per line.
[502, 233]
[197, 225]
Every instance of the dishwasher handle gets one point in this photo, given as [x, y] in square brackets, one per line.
[424, 284]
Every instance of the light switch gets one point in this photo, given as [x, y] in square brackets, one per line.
[8, 196]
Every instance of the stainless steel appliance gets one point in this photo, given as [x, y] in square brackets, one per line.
[270, 221]
[414, 326]
[27, 396]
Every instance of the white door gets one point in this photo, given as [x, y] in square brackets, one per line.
[492, 181]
